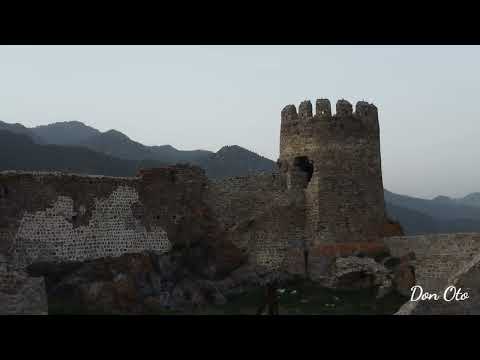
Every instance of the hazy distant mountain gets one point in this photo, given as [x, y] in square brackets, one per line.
[228, 161]
[20, 129]
[169, 154]
[472, 199]
[235, 161]
[413, 222]
[119, 145]
[111, 142]
[19, 152]
[437, 208]
[439, 215]
[65, 133]
[443, 199]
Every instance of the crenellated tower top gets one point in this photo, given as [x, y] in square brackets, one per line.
[308, 130]
[323, 110]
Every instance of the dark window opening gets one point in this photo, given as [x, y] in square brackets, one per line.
[305, 258]
[305, 165]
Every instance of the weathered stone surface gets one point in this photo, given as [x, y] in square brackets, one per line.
[357, 273]
[404, 279]
[327, 195]
[441, 260]
[438, 257]
[108, 284]
[465, 281]
[131, 283]
[344, 195]
[22, 295]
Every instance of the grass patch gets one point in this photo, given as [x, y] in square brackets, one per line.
[307, 298]
[300, 297]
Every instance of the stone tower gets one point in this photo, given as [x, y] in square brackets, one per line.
[333, 162]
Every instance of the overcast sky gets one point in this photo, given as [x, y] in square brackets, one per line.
[204, 97]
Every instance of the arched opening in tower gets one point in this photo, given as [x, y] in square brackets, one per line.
[305, 165]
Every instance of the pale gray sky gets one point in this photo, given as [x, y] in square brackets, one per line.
[209, 96]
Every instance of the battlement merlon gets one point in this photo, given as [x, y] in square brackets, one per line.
[289, 114]
[343, 108]
[305, 110]
[323, 108]
[368, 113]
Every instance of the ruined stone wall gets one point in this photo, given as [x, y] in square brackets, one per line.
[437, 256]
[51, 217]
[466, 280]
[57, 217]
[326, 200]
[261, 217]
[73, 218]
[344, 196]
[234, 200]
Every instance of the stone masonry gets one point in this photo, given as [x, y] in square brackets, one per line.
[326, 201]
[440, 261]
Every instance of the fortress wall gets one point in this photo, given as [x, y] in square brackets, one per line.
[237, 199]
[437, 256]
[262, 218]
[63, 217]
[55, 217]
[273, 238]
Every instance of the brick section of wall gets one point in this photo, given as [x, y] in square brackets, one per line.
[73, 218]
[67, 217]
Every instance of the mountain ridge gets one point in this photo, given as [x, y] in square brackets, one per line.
[64, 132]
[223, 163]
[30, 156]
